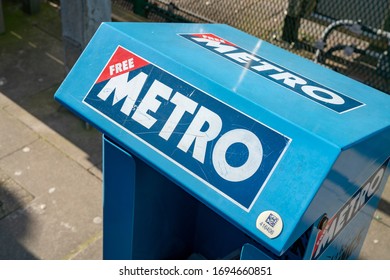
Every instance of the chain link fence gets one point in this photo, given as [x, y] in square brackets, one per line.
[348, 36]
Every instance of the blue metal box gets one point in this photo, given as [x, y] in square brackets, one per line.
[220, 145]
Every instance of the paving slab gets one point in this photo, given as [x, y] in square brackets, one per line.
[42, 114]
[91, 249]
[13, 134]
[66, 210]
[12, 195]
[376, 246]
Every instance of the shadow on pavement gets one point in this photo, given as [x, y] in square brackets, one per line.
[32, 68]
[14, 220]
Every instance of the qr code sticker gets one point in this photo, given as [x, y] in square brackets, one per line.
[272, 220]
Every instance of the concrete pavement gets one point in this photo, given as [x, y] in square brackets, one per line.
[50, 178]
[50, 163]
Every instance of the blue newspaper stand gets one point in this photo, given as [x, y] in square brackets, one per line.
[218, 145]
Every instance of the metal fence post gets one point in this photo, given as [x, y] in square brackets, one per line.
[295, 10]
[2, 25]
[31, 6]
[80, 20]
[140, 7]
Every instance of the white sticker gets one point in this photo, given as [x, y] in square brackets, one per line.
[269, 223]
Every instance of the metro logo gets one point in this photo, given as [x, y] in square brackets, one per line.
[348, 211]
[227, 150]
[295, 82]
